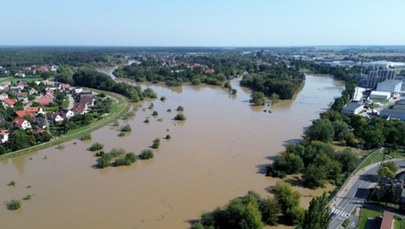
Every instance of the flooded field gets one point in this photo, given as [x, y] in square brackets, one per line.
[212, 157]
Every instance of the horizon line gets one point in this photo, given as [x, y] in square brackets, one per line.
[197, 46]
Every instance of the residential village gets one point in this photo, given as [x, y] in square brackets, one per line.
[38, 110]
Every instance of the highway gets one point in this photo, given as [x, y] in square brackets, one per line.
[355, 193]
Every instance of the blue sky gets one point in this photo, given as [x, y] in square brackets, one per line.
[202, 22]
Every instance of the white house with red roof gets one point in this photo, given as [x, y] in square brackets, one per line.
[4, 136]
[8, 102]
[22, 123]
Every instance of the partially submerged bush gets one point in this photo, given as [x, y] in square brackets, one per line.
[96, 146]
[146, 154]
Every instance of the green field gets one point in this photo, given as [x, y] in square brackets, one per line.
[365, 214]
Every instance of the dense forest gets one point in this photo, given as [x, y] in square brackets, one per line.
[275, 79]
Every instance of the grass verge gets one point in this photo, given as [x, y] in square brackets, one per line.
[399, 222]
[367, 213]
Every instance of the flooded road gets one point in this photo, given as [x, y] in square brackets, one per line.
[212, 157]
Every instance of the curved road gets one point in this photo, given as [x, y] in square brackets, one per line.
[355, 193]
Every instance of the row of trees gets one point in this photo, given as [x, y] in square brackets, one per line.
[253, 212]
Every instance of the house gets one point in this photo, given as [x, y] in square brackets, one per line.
[3, 96]
[39, 122]
[87, 98]
[65, 86]
[353, 108]
[54, 68]
[4, 85]
[76, 90]
[4, 136]
[22, 84]
[30, 111]
[32, 91]
[20, 74]
[55, 118]
[209, 71]
[65, 113]
[15, 89]
[8, 102]
[45, 100]
[21, 123]
[23, 97]
[42, 68]
[80, 108]
[387, 220]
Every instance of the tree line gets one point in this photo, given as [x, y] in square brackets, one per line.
[254, 212]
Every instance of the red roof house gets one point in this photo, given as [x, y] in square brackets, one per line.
[7, 102]
[45, 100]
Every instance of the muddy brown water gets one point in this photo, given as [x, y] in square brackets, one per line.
[214, 156]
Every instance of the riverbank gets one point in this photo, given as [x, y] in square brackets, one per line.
[119, 107]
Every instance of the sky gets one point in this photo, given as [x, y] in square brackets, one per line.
[225, 23]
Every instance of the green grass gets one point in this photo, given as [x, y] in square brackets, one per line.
[399, 222]
[365, 214]
[119, 107]
[16, 79]
[380, 156]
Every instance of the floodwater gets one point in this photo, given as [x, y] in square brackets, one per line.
[215, 155]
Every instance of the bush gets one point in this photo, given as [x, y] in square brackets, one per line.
[117, 152]
[12, 183]
[146, 154]
[162, 98]
[128, 159]
[126, 128]
[180, 117]
[146, 120]
[85, 136]
[168, 137]
[156, 143]
[96, 146]
[155, 113]
[128, 115]
[169, 110]
[180, 108]
[99, 154]
[14, 205]
[104, 161]
[121, 134]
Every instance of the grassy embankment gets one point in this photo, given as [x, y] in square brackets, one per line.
[381, 156]
[119, 107]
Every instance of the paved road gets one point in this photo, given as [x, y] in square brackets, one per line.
[355, 193]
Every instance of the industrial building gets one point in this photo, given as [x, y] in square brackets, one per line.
[398, 111]
[380, 95]
[392, 86]
[353, 108]
[358, 94]
[377, 76]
